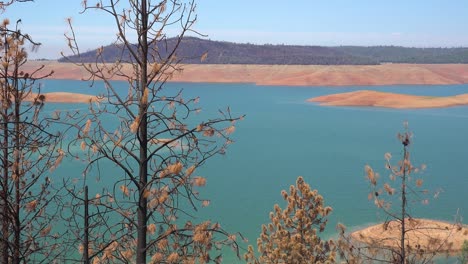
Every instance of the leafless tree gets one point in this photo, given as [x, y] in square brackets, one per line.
[150, 137]
[29, 150]
[403, 238]
[5, 4]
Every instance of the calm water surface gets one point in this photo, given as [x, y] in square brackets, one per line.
[283, 137]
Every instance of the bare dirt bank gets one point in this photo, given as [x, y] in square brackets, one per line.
[63, 97]
[298, 75]
[426, 234]
[389, 100]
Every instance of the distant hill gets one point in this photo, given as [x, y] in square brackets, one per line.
[221, 52]
[395, 54]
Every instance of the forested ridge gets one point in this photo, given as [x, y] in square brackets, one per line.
[220, 52]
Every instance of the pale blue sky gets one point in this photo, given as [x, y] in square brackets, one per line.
[415, 23]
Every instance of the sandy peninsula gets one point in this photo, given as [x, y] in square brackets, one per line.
[432, 236]
[295, 75]
[64, 97]
[389, 100]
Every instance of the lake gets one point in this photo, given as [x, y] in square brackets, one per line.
[283, 137]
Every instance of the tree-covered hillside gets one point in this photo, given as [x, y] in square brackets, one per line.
[219, 52]
[397, 54]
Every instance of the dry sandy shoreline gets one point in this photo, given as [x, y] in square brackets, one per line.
[64, 97]
[430, 235]
[389, 100]
[298, 75]
[306, 75]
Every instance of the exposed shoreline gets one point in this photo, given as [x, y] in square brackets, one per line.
[427, 234]
[304, 75]
[367, 98]
[64, 97]
[295, 75]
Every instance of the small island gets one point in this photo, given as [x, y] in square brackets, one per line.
[369, 98]
[64, 97]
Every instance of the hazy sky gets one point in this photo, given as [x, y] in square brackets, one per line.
[415, 23]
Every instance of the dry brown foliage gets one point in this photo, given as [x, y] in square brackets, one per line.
[293, 234]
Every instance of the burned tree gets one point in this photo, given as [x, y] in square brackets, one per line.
[151, 140]
[29, 150]
[401, 238]
[293, 236]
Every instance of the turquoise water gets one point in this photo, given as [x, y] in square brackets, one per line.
[283, 137]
